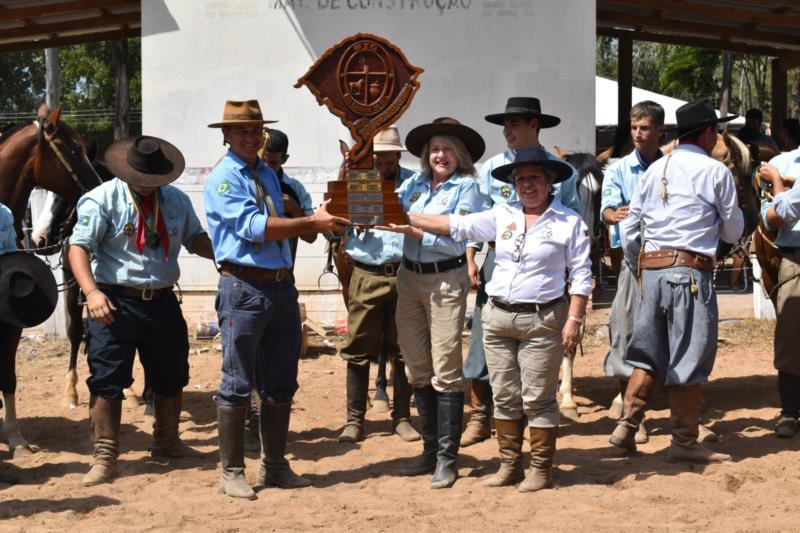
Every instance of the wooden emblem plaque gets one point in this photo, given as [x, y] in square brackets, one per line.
[368, 83]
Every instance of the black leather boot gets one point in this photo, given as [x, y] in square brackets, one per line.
[275, 470]
[357, 384]
[231, 451]
[451, 415]
[426, 400]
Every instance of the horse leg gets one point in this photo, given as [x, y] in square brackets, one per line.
[380, 402]
[75, 335]
[568, 406]
[9, 340]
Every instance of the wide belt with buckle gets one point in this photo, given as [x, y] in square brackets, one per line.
[249, 273]
[132, 292]
[386, 269]
[672, 258]
[524, 307]
[436, 267]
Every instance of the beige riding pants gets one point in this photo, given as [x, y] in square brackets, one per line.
[430, 319]
[523, 355]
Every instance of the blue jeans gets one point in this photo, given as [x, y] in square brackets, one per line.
[260, 328]
[475, 365]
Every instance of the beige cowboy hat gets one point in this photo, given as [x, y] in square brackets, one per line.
[241, 113]
[388, 140]
[145, 161]
[416, 138]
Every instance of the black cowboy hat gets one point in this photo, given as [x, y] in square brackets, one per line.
[537, 157]
[416, 138]
[527, 107]
[697, 115]
[28, 290]
[145, 161]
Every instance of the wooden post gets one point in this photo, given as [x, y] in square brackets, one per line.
[779, 110]
[52, 77]
[624, 79]
[122, 105]
[724, 105]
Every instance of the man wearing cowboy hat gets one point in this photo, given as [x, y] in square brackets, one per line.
[372, 302]
[257, 306]
[522, 120]
[133, 227]
[782, 214]
[684, 204]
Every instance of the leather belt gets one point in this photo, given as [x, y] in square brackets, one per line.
[387, 269]
[249, 273]
[524, 307]
[435, 267]
[140, 294]
[491, 245]
[672, 258]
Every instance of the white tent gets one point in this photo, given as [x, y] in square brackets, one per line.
[605, 99]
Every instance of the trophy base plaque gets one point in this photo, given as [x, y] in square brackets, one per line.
[365, 199]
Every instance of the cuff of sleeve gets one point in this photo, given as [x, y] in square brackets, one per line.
[428, 239]
[258, 227]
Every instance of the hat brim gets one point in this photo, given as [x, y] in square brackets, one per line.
[545, 121]
[416, 138]
[241, 123]
[35, 308]
[386, 147]
[117, 162]
[562, 169]
[686, 130]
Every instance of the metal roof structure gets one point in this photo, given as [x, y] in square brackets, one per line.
[37, 24]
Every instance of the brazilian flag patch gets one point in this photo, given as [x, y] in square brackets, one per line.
[223, 187]
[84, 220]
[607, 192]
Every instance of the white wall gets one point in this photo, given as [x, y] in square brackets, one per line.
[198, 53]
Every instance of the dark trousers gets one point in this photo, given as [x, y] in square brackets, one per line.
[789, 391]
[156, 329]
[260, 329]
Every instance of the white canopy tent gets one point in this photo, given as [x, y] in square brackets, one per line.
[605, 98]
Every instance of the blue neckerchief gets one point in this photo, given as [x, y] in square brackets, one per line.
[644, 163]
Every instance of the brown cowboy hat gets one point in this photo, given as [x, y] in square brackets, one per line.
[28, 290]
[416, 138]
[241, 113]
[145, 161]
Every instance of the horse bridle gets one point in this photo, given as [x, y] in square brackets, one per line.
[54, 147]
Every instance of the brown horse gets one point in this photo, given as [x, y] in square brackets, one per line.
[763, 239]
[47, 153]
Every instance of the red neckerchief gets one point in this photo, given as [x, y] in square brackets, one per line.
[144, 207]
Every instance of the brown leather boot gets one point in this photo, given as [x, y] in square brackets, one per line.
[105, 417]
[230, 420]
[357, 385]
[479, 427]
[640, 387]
[509, 440]
[275, 470]
[543, 448]
[166, 442]
[684, 404]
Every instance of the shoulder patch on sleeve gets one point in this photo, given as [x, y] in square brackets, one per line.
[607, 191]
[223, 187]
[84, 221]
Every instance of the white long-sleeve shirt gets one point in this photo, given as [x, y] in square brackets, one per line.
[701, 207]
[554, 250]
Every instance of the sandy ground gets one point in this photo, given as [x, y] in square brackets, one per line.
[598, 488]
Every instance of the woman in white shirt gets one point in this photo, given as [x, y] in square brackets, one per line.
[538, 295]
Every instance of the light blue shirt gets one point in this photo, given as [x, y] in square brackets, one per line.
[619, 180]
[8, 234]
[376, 247]
[701, 207]
[106, 228]
[304, 199]
[786, 204]
[459, 195]
[236, 223]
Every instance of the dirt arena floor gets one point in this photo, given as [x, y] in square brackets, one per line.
[598, 487]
